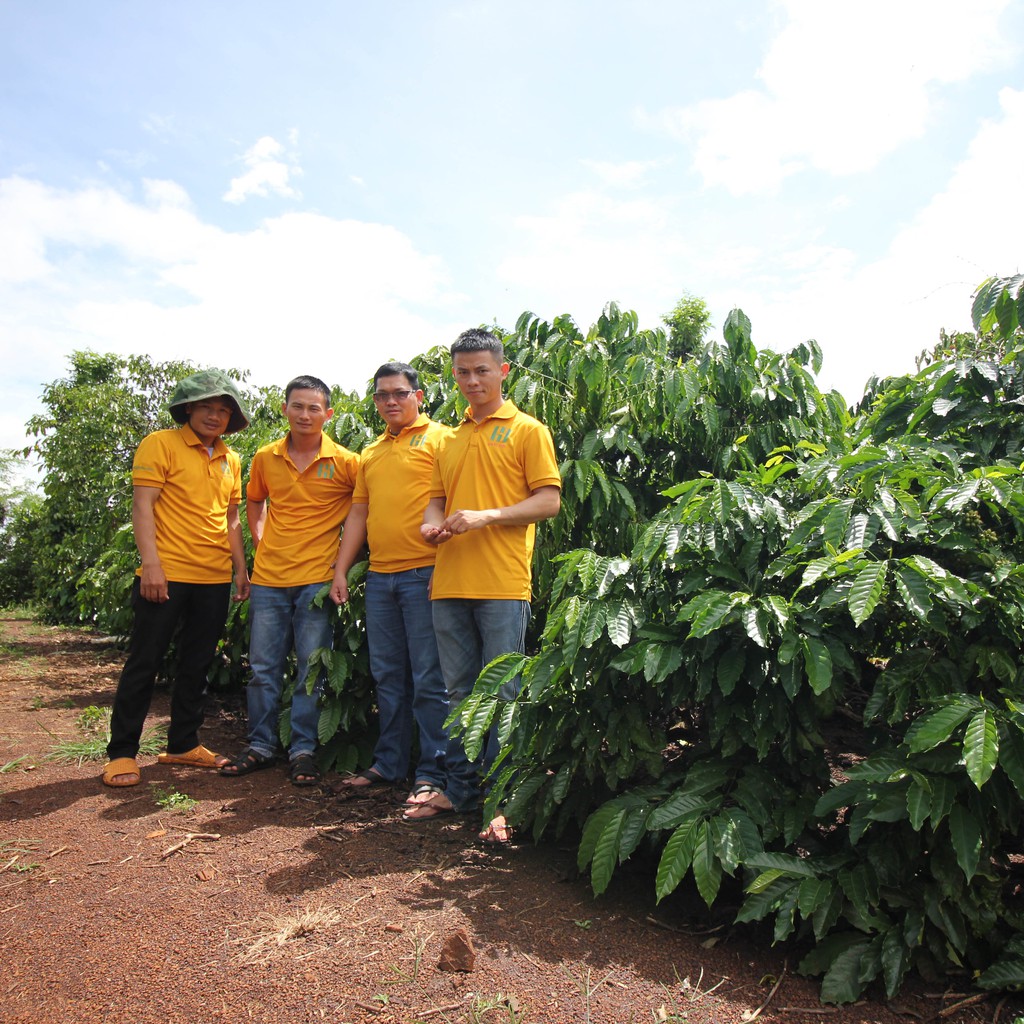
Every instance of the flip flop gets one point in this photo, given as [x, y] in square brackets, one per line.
[429, 810]
[118, 767]
[372, 779]
[197, 757]
[427, 789]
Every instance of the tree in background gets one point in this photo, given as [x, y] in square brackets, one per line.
[689, 324]
[19, 518]
[95, 418]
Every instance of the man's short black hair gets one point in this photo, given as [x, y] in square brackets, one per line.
[393, 369]
[476, 339]
[308, 383]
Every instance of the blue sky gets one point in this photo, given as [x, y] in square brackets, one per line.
[319, 187]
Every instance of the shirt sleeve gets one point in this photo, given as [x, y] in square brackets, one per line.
[151, 463]
[256, 489]
[540, 463]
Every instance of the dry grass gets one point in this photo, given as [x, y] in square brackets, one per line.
[270, 934]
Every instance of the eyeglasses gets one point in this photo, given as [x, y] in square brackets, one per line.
[398, 396]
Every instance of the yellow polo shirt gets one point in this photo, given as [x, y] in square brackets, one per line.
[191, 512]
[394, 482]
[492, 464]
[304, 513]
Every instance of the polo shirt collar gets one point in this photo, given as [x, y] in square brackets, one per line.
[192, 438]
[328, 446]
[421, 421]
[506, 411]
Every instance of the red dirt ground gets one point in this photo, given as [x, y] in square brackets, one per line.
[291, 905]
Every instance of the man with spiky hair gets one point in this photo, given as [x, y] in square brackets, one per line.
[493, 481]
[186, 488]
[298, 495]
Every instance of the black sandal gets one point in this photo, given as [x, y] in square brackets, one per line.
[303, 771]
[247, 761]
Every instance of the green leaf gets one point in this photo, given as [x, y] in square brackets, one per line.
[713, 615]
[842, 982]
[634, 827]
[866, 592]
[787, 863]
[707, 870]
[330, 719]
[915, 593]
[619, 623]
[677, 857]
[966, 835]
[895, 960]
[813, 893]
[935, 727]
[476, 713]
[660, 661]
[730, 668]
[753, 619]
[1011, 756]
[1006, 974]
[676, 809]
[606, 852]
[981, 747]
[818, 662]
[919, 802]
[592, 831]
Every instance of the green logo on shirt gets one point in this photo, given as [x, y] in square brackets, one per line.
[501, 435]
[325, 469]
[416, 441]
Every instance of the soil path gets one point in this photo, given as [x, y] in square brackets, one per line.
[263, 902]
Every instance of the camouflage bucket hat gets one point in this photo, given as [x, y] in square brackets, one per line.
[208, 384]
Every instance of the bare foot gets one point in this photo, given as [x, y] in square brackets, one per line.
[364, 779]
[498, 833]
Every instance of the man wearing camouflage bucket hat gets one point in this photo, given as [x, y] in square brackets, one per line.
[187, 486]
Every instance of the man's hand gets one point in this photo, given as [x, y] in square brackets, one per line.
[339, 587]
[435, 534]
[153, 584]
[466, 519]
[241, 586]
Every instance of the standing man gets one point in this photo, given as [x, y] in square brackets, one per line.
[492, 482]
[186, 487]
[308, 479]
[391, 494]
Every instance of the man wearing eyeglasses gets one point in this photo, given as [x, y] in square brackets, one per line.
[391, 493]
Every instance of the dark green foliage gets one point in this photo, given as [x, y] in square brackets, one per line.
[775, 640]
[802, 670]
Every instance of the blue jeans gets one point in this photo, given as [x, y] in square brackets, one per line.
[406, 669]
[470, 634]
[280, 617]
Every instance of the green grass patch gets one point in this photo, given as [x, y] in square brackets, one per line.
[94, 726]
[172, 800]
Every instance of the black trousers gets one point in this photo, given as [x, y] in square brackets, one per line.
[200, 610]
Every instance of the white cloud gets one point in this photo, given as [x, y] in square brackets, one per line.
[841, 87]
[873, 319]
[303, 293]
[627, 174]
[266, 173]
[591, 248]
